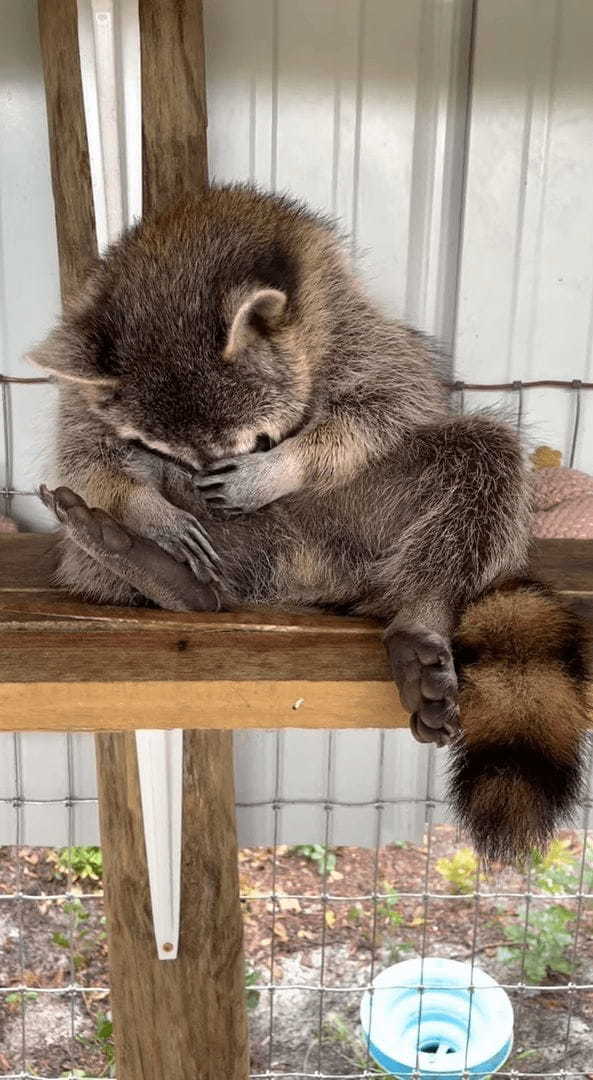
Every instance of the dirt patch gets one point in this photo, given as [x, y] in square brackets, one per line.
[320, 941]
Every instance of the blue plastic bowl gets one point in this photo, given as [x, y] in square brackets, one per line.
[441, 1048]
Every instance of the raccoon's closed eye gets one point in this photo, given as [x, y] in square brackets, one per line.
[140, 445]
[263, 443]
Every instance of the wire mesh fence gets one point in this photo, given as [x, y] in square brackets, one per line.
[514, 395]
[320, 922]
[305, 998]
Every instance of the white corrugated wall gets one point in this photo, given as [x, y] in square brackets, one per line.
[474, 224]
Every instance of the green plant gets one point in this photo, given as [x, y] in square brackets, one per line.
[554, 871]
[101, 1040]
[79, 863]
[17, 997]
[322, 857]
[545, 943]
[355, 914]
[252, 978]
[559, 869]
[460, 870]
[82, 940]
[388, 908]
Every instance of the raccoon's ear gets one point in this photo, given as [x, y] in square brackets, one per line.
[259, 315]
[64, 356]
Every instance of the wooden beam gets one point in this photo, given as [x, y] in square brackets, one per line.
[28, 559]
[64, 663]
[175, 159]
[70, 166]
[218, 705]
[184, 1018]
[181, 1019]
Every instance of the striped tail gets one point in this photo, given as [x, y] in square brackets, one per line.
[517, 769]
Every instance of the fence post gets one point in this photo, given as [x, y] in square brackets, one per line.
[183, 1019]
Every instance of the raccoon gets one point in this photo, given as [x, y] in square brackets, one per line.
[240, 426]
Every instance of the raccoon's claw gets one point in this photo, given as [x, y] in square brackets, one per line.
[424, 673]
[191, 545]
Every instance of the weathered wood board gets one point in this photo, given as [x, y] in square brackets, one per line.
[66, 664]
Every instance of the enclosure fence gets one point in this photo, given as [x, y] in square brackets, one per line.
[328, 985]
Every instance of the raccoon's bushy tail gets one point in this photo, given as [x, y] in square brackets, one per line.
[517, 770]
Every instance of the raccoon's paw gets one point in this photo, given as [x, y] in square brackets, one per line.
[181, 535]
[249, 481]
[424, 673]
[91, 529]
[134, 559]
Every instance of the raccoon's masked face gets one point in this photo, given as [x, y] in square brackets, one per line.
[196, 395]
[249, 395]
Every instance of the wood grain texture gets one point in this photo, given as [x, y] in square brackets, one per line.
[70, 166]
[266, 704]
[67, 664]
[182, 1019]
[173, 100]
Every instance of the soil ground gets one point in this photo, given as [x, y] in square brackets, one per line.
[300, 942]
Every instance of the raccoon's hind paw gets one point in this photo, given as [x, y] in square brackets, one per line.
[424, 673]
[89, 527]
[134, 559]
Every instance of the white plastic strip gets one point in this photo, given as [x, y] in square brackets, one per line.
[109, 44]
[160, 767]
[103, 19]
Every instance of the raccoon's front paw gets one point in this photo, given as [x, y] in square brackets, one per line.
[181, 535]
[249, 481]
[424, 673]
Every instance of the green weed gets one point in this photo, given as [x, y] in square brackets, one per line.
[320, 855]
[460, 870]
[79, 863]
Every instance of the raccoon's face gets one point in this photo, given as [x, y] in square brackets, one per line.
[198, 391]
[218, 402]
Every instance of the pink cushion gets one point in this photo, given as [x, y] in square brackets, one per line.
[563, 500]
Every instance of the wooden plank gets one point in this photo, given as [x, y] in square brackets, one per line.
[28, 561]
[70, 651]
[124, 706]
[183, 1019]
[70, 165]
[48, 637]
[66, 664]
[173, 100]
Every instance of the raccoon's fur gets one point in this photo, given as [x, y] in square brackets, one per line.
[234, 320]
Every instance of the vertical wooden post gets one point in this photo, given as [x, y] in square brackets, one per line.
[174, 114]
[183, 1019]
[70, 166]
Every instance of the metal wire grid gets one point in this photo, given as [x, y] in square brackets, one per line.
[517, 388]
[326, 899]
[314, 1068]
